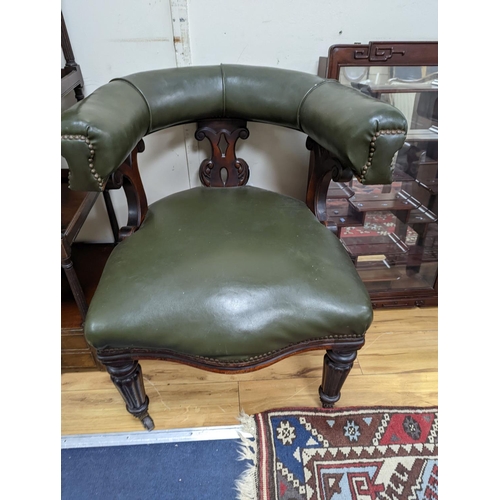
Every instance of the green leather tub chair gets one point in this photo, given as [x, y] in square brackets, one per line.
[225, 276]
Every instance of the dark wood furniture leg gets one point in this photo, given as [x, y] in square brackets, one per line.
[336, 367]
[127, 378]
[74, 282]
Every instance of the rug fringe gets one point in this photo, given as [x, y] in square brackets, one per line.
[246, 484]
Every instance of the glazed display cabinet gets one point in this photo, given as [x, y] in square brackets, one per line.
[391, 232]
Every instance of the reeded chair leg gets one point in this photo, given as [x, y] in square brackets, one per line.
[336, 367]
[130, 384]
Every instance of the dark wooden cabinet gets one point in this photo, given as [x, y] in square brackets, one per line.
[71, 75]
[391, 232]
[81, 265]
[88, 261]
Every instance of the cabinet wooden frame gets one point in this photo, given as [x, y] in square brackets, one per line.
[388, 54]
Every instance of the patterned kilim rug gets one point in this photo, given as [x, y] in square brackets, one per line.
[341, 454]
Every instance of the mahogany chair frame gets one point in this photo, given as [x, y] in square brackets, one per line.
[225, 169]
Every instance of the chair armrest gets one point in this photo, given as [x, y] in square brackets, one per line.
[99, 132]
[362, 132]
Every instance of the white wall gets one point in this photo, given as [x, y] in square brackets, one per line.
[117, 37]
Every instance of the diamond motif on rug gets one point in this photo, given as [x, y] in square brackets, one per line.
[346, 454]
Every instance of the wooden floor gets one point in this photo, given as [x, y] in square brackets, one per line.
[397, 366]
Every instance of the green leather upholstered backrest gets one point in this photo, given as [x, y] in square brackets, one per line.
[99, 132]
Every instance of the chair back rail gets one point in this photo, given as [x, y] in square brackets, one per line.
[99, 132]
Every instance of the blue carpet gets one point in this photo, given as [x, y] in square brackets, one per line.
[178, 471]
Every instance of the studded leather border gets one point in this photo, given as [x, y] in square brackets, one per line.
[368, 164]
[93, 171]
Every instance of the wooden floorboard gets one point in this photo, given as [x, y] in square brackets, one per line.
[398, 366]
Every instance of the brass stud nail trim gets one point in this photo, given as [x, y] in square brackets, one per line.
[91, 157]
[361, 178]
[270, 353]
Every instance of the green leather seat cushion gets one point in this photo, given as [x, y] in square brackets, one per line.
[227, 273]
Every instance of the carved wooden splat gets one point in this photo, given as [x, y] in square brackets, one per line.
[223, 168]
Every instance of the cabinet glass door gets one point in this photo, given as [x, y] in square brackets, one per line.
[391, 231]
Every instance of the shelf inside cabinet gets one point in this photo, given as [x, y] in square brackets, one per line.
[421, 134]
[400, 203]
[401, 176]
[402, 280]
[397, 87]
[422, 215]
[430, 184]
[339, 190]
[386, 244]
[418, 255]
[341, 214]
[364, 202]
[378, 270]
